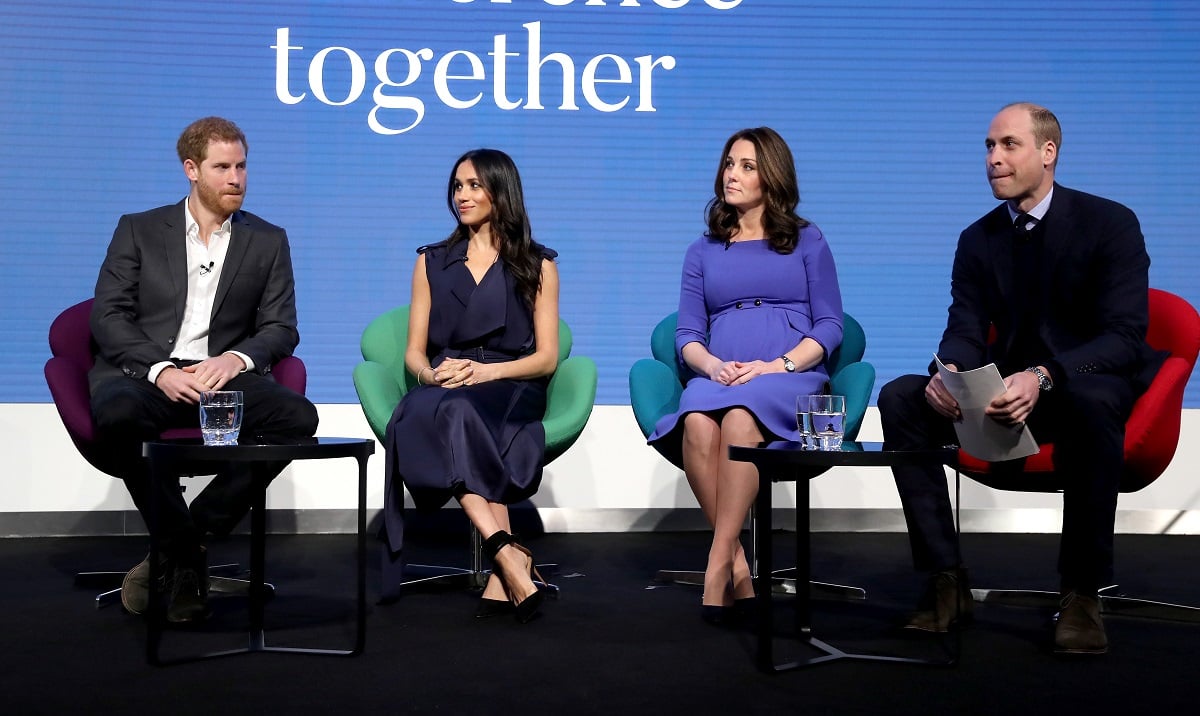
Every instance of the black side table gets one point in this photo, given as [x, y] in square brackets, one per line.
[785, 461]
[163, 456]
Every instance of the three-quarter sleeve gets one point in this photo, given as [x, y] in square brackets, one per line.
[692, 324]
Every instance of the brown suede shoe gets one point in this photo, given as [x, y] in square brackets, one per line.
[189, 590]
[937, 611]
[135, 587]
[1080, 630]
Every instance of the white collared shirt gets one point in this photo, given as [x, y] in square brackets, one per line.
[205, 262]
[1038, 212]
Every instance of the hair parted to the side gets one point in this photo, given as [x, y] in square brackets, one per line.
[193, 142]
[510, 221]
[781, 194]
[1045, 125]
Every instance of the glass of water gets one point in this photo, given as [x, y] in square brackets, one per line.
[220, 416]
[826, 421]
[804, 423]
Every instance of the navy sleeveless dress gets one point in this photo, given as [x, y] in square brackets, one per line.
[485, 439]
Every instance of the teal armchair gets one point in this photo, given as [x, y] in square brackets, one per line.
[655, 386]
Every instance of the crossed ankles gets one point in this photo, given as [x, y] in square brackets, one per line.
[511, 569]
[183, 580]
[731, 609]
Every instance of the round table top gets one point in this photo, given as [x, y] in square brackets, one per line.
[255, 448]
[787, 453]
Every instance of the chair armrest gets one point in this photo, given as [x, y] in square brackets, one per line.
[291, 373]
[1152, 430]
[569, 401]
[378, 394]
[854, 381]
[69, 388]
[654, 391]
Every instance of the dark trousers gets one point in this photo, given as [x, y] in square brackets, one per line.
[1085, 419]
[129, 411]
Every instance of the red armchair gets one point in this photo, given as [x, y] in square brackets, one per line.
[1151, 437]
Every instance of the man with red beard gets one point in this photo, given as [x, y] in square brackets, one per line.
[194, 296]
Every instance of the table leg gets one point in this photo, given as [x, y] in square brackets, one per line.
[764, 556]
[361, 639]
[258, 538]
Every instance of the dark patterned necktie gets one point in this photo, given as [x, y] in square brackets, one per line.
[1023, 225]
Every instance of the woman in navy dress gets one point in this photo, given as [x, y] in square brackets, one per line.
[483, 343]
[759, 314]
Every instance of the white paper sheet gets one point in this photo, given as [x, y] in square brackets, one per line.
[978, 434]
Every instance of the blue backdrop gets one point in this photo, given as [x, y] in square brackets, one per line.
[614, 110]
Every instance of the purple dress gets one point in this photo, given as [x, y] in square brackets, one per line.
[746, 302]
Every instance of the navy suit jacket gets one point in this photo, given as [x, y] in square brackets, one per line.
[142, 290]
[1091, 294]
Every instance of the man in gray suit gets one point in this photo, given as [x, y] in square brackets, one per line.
[191, 297]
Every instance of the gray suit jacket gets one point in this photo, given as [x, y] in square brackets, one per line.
[142, 288]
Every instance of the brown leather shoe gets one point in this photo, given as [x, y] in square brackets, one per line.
[937, 611]
[1080, 629]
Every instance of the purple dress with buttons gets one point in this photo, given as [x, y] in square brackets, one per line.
[745, 302]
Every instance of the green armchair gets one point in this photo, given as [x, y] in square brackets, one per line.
[382, 379]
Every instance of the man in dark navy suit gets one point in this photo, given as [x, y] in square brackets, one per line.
[194, 296]
[1062, 278]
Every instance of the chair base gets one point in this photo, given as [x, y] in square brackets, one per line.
[780, 584]
[219, 582]
[439, 577]
[1111, 603]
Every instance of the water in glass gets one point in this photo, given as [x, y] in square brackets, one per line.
[220, 416]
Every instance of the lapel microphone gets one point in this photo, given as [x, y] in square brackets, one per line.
[207, 269]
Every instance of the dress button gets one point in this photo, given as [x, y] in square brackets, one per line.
[758, 302]
[738, 304]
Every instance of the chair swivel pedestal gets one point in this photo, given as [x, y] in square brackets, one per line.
[419, 577]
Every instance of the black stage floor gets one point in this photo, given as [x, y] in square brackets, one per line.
[613, 643]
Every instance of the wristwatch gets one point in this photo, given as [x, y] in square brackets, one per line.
[788, 365]
[1044, 383]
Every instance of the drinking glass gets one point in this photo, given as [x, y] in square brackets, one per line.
[804, 423]
[827, 421]
[220, 416]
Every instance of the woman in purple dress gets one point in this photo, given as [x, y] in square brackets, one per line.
[759, 314]
[483, 343]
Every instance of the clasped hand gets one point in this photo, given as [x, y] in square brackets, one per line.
[734, 372]
[457, 372]
[184, 385]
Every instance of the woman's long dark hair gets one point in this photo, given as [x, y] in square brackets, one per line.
[777, 176]
[510, 222]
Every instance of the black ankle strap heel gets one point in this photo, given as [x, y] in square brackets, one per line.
[528, 607]
[496, 542]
